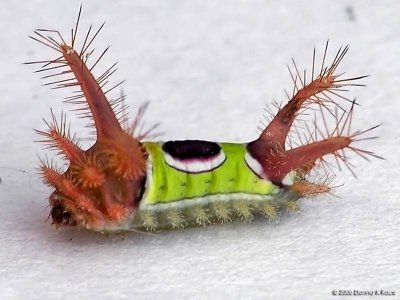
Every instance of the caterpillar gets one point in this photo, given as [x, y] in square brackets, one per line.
[123, 182]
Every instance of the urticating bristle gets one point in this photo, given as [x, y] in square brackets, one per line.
[269, 211]
[314, 185]
[58, 136]
[201, 216]
[222, 211]
[292, 206]
[149, 220]
[126, 158]
[243, 209]
[87, 172]
[305, 188]
[175, 218]
[51, 174]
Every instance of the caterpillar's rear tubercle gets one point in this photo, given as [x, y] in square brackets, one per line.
[125, 183]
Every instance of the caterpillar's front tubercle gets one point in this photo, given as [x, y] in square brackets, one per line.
[125, 183]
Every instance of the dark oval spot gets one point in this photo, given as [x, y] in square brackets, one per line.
[191, 149]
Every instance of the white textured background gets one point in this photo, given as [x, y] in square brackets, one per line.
[208, 69]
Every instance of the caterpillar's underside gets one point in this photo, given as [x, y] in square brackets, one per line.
[124, 183]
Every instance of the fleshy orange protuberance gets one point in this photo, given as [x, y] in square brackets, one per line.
[125, 156]
[305, 188]
[88, 172]
[101, 185]
[270, 148]
[106, 123]
[57, 136]
[277, 130]
[67, 188]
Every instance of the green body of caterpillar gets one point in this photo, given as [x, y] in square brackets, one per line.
[231, 190]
